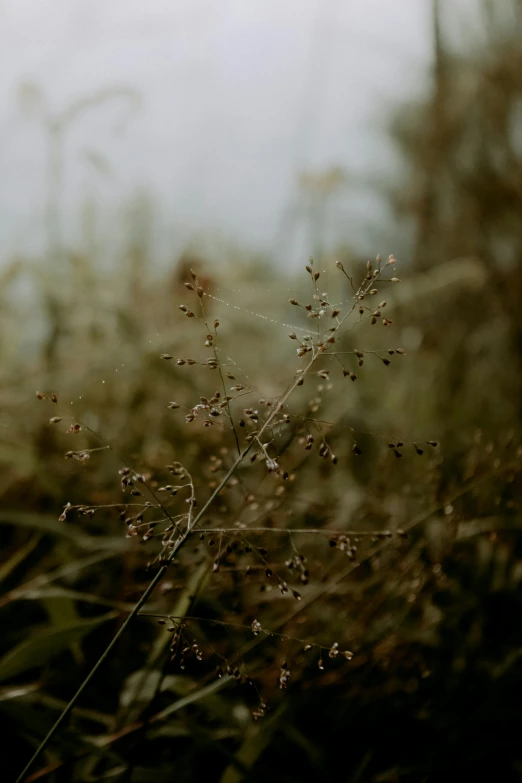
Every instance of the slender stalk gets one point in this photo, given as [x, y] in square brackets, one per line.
[157, 578]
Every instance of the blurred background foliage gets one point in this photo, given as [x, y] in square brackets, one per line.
[432, 691]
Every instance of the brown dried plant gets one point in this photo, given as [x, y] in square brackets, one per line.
[237, 526]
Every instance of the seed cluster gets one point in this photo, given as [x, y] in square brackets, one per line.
[250, 480]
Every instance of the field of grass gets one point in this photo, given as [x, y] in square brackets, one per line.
[333, 527]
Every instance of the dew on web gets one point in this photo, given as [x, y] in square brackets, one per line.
[262, 317]
[268, 319]
[267, 292]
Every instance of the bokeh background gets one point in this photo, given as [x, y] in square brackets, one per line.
[142, 140]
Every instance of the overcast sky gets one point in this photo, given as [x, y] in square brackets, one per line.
[237, 98]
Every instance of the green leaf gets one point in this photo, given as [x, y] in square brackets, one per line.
[195, 696]
[477, 527]
[18, 691]
[47, 524]
[257, 740]
[62, 614]
[66, 570]
[140, 687]
[39, 593]
[18, 557]
[43, 646]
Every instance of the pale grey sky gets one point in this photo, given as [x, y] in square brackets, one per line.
[238, 97]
